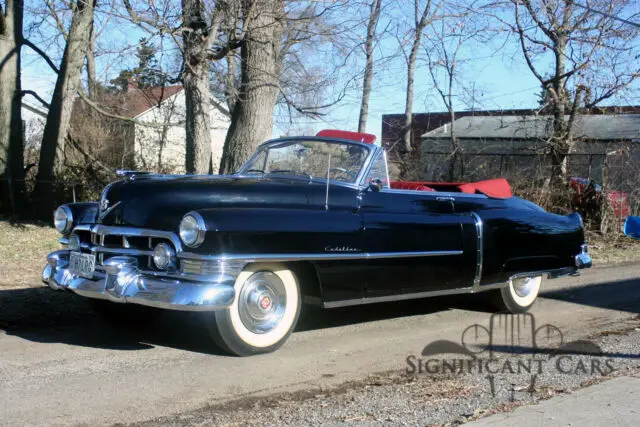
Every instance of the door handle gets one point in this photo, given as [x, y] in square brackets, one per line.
[445, 199]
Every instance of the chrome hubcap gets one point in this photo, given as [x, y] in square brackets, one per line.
[524, 286]
[262, 302]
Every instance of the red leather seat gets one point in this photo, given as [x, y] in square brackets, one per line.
[498, 188]
[409, 185]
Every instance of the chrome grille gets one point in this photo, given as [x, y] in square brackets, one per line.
[106, 242]
[211, 267]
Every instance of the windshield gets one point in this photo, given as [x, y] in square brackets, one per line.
[341, 161]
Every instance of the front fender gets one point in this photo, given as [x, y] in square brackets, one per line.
[83, 213]
[274, 230]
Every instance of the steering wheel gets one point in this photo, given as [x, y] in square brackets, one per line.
[351, 175]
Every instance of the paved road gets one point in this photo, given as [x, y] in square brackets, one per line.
[613, 403]
[59, 364]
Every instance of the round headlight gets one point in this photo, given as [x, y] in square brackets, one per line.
[164, 256]
[62, 219]
[192, 229]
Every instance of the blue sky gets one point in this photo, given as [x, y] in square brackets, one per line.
[495, 70]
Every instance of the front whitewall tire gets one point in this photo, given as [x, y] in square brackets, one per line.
[264, 312]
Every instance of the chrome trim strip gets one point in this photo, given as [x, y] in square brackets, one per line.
[121, 251]
[366, 167]
[400, 297]
[317, 257]
[106, 230]
[82, 227]
[386, 167]
[549, 274]
[479, 247]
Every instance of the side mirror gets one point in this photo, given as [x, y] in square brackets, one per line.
[375, 184]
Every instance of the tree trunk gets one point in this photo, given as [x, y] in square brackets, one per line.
[368, 68]
[230, 81]
[11, 134]
[411, 70]
[559, 141]
[196, 89]
[57, 126]
[91, 66]
[252, 116]
[456, 155]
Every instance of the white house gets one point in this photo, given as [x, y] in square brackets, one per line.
[162, 146]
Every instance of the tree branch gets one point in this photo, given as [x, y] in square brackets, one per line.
[40, 52]
[36, 96]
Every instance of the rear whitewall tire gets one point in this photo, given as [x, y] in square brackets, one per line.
[520, 295]
[264, 312]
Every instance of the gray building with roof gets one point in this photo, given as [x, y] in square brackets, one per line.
[508, 145]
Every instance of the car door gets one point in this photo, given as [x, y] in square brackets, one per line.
[415, 239]
[416, 243]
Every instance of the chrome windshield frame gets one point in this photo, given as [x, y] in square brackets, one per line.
[372, 150]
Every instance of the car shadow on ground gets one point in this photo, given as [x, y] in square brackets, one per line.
[46, 316]
[622, 295]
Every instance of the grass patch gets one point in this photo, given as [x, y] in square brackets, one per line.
[23, 252]
[614, 249]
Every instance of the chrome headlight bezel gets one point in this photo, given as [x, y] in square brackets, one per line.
[63, 219]
[192, 229]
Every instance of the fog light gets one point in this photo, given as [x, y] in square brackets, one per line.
[164, 256]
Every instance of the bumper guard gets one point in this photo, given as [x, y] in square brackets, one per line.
[123, 282]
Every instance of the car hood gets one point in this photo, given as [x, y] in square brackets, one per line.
[160, 202]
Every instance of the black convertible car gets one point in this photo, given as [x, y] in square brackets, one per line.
[306, 219]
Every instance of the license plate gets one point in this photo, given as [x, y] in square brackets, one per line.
[82, 264]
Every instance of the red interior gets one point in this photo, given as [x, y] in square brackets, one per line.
[345, 134]
[498, 188]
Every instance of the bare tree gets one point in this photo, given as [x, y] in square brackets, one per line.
[374, 17]
[11, 136]
[252, 116]
[199, 35]
[64, 95]
[448, 37]
[591, 57]
[421, 20]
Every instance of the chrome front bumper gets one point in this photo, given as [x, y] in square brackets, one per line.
[122, 281]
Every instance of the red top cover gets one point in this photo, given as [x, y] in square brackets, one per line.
[345, 134]
[498, 188]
